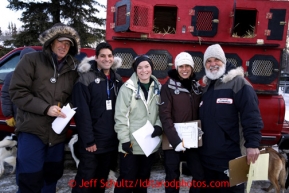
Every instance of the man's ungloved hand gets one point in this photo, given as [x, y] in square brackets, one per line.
[157, 132]
[11, 122]
[127, 147]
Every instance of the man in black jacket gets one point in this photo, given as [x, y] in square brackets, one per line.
[94, 95]
[229, 112]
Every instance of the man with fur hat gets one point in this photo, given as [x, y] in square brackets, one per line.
[41, 84]
[94, 95]
[228, 111]
[181, 95]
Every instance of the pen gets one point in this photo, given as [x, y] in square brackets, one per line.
[126, 153]
[58, 105]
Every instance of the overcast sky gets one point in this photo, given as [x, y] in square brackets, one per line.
[8, 16]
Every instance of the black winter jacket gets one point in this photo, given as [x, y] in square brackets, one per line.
[228, 103]
[95, 124]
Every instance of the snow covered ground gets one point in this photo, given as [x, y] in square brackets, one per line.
[8, 185]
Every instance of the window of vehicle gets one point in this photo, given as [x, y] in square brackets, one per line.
[8, 66]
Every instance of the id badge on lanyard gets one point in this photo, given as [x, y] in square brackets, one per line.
[108, 105]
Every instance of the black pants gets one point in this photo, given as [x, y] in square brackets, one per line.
[172, 168]
[114, 161]
[218, 182]
[135, 171]
[92, 172]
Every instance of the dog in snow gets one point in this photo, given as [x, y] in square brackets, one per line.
[8, 153]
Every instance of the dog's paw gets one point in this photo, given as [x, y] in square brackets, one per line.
[11, 160]
[112, 176]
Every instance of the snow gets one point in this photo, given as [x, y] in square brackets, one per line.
[8, 184]
[286, 99]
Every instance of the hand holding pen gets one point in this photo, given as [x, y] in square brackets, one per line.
[55, 111]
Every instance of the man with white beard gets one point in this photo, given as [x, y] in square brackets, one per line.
[228, 111]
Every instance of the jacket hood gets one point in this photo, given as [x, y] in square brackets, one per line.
[85, 64]
[61, 30]
[230, 73]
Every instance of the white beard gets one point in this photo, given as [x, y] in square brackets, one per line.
[215, 75]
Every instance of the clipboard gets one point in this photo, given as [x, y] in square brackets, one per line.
[239, 170]
[165, 142]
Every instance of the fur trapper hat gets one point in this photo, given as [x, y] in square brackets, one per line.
[60, 30]
[215, 51]
[184, 58]
[85, 64]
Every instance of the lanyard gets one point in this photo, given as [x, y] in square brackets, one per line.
[107, 88]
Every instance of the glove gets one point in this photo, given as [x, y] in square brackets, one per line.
[11, 122]
[157, 132]
[127, 147]
[180, 147]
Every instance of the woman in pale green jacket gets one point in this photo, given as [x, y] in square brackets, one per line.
[137, 103]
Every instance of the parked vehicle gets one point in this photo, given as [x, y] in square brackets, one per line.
[251, 32]
[8, 63]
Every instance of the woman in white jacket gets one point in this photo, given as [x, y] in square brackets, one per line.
[136, 103]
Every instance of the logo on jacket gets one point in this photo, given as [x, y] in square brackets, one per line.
[224, 101]
[97, 80]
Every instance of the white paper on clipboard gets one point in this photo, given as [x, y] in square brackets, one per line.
[188, 132]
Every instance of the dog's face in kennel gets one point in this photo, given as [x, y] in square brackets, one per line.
[8, 153]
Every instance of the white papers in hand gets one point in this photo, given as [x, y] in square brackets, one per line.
[59, 123]
[144, 139]
[188, 132]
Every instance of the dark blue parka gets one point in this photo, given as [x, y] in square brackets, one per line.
[9, 109]
[229, 105]
[95, 124]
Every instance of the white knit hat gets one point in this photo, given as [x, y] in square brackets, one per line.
[184, 58]
[214, 51]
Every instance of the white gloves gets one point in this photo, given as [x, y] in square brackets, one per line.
[180, 147]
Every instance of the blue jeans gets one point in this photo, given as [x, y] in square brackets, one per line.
[39, 166]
